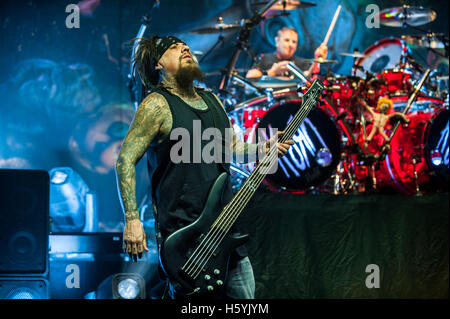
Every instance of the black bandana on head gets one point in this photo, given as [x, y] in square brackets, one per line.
[162, 44]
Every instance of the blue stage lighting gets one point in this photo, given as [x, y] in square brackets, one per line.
[128, 289]
[72, 204]
[128, 286]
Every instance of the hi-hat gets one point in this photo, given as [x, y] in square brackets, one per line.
[284, 5]
[267, 81]
[356, 55]
[430, 40]
[320, 60]
[406, 15]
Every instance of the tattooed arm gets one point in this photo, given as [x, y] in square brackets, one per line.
[152, 121]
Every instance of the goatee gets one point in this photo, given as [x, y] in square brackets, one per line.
[186, 76]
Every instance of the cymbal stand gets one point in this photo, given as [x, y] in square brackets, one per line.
[363, 122]
[410, 101]
[414, 161]
[283, 13]
[355, 66]
[242, 42]
[220, 40]
[429, 34]
[236, 77]
[135, 85]
[374, 178]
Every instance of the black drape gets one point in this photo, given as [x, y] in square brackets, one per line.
[318, 246]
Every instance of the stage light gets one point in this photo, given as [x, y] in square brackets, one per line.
[58, 177]
[128, 286]
[72, 204]
[128, 289]
[436, 158]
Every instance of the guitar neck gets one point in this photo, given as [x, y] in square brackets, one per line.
[235, 207]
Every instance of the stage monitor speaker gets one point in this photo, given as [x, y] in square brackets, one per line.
[24, 222]
[24, 288]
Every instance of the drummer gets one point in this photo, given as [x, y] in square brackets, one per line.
[274, 64]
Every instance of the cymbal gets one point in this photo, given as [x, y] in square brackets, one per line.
[406, 15]
[320, 60]
[286, 5]
[218, 28]
[430, 40]
[267, 81]
[356, 55]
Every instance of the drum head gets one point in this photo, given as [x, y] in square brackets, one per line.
[384, 54]
[315, 154]
[436, 147]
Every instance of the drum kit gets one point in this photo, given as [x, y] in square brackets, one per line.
[331, 153]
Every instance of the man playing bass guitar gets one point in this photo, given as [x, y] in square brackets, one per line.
[179, 188]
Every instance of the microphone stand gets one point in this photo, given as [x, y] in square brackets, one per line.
[135, 86]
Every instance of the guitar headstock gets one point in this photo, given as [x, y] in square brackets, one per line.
[314, 92]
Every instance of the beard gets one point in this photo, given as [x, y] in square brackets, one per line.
[186, 75]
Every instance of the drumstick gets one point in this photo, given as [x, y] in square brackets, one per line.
[333, 22]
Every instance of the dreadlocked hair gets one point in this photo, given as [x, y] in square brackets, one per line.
[144, 61]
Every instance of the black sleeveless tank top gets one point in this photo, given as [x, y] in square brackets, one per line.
[179, 190]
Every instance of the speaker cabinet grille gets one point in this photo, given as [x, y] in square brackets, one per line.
[24, 288]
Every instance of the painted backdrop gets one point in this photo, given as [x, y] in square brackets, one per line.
[65, 100]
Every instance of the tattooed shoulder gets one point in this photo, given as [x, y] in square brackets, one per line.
[156, 107]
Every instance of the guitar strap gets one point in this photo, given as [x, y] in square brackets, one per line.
[161, 273]
[216, 109]
[158, 232]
